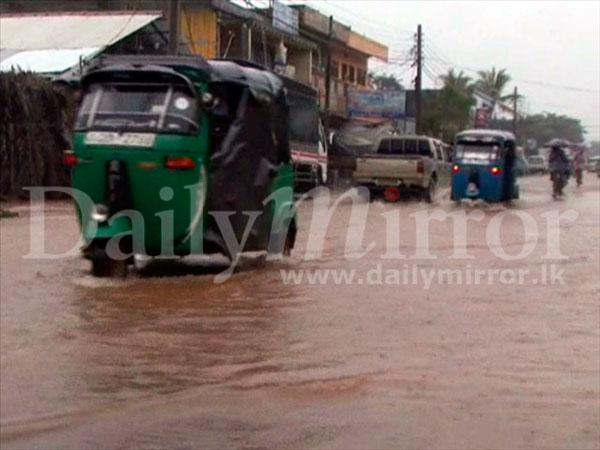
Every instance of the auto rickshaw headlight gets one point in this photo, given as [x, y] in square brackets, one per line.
[100, 213]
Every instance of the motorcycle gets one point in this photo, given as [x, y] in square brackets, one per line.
[559, 181]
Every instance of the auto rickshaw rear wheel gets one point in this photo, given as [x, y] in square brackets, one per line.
[290, 239]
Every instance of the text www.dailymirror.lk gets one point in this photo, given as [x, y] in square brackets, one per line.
[544, 274]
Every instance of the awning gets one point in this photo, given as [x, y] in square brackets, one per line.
[53, 43]
[47, 61]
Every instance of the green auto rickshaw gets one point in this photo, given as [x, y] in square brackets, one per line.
[174, 156]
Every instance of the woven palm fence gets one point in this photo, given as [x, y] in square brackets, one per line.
[36, 121]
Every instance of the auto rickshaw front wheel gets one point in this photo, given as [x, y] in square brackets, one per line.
[109, 268]
[103, 266]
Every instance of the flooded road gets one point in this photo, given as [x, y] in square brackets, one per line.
[180, 362]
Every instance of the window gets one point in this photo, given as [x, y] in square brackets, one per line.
[424, 148]
[344, 71]
[384, 146]
[304, 118]
[396, 146]
[335, 69]
[439, 152]
[448, 152]
[139, 107]
[361, 77]
[478, 152]
[410, 146]
[351, 75]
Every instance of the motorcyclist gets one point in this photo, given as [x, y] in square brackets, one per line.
[558, 165]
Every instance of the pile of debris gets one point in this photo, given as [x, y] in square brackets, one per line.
[37, 122]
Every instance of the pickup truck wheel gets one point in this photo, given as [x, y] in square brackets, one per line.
[429, 192]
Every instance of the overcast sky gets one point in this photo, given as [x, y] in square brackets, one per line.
[555, 43]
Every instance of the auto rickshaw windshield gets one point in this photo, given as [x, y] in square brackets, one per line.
[478, 152]
[139, 107]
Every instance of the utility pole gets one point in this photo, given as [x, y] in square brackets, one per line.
[418, 82]
[174, 8]
[515, 113]
[328, 75]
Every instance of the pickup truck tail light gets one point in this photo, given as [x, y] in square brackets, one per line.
[420, 167]
[495, 170]
[455, 168]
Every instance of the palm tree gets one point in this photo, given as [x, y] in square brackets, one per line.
[458, 81]
[493, 83]
[456, 99]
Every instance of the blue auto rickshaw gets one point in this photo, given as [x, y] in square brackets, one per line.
[484, 166]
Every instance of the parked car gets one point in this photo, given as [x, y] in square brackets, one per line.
[408, 163]
[521, 166]
[593, 164]
[537, 164]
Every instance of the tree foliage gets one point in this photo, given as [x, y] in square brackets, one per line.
[385, 82]
[543, 127]
[457, 81]
[493, 83]
[447, 111]
[36, 127]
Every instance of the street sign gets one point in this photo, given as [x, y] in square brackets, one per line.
[482, 117]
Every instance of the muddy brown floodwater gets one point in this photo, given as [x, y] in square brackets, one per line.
[179, 361]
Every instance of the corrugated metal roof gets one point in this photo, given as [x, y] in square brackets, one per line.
[53, 43]
[68, 31]
[47, 61]
[4, 54]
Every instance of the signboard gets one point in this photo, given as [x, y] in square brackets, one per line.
[376, 104]
[482, 117]
[284, 17]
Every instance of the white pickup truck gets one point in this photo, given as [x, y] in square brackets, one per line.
[407, 162]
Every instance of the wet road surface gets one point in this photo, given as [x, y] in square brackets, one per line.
[180, 362]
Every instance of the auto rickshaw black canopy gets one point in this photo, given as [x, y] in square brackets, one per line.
[258, 79]
[250, 141]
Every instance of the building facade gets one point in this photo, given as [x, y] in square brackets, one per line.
[294, 41]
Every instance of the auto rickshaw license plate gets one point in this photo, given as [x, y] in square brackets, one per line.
[472, 189]
[126, 139]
